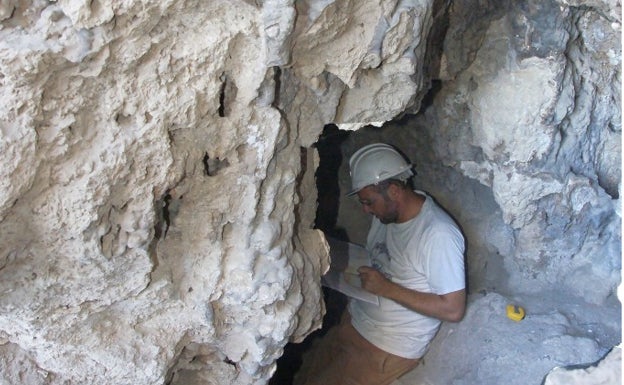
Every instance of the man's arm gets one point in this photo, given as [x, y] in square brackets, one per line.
[446, 307]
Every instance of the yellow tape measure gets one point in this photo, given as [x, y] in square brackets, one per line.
[515, 312]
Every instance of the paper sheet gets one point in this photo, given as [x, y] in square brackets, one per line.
[346, 258]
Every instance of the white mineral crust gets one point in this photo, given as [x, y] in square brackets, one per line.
[157, 188]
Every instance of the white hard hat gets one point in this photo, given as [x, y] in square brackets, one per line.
[375, 163]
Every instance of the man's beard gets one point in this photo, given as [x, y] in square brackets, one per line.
[390, 215]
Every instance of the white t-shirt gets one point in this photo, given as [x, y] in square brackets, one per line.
[425, 254]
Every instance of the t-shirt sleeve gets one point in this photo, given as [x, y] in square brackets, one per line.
[445, 260]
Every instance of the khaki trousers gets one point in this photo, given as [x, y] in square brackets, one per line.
[344, 357]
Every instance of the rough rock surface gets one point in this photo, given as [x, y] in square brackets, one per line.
[157, 177]
[606, 372]
[509, 352]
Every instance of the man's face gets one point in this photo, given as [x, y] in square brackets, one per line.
[378, 204]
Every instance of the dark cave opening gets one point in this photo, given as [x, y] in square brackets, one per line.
[329, 150]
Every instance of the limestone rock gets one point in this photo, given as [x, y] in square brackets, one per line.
[607, 371]
[524, 118]
[157, 187]
[375, 49]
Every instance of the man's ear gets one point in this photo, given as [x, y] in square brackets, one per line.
[393, 191]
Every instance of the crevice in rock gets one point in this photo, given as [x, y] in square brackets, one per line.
[227, 94]
[277, 78]
[221, 110]
[213, 166]
[165, 214]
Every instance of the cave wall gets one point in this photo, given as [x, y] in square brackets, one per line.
[157, 183]
[157, 188]
[521, 142]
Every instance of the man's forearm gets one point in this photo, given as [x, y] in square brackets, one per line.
[446, 307]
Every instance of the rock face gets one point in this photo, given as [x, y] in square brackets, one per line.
[607, 371]
[157, 191]
[157, 183]
[509, 352]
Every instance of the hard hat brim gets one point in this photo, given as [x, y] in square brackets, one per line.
[407, 170]
[354, 191]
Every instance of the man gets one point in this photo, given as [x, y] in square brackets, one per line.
[417, 271]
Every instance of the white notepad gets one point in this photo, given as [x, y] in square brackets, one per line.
[342, 276]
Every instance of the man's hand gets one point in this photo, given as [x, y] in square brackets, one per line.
[445, 307]
[373, 280]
